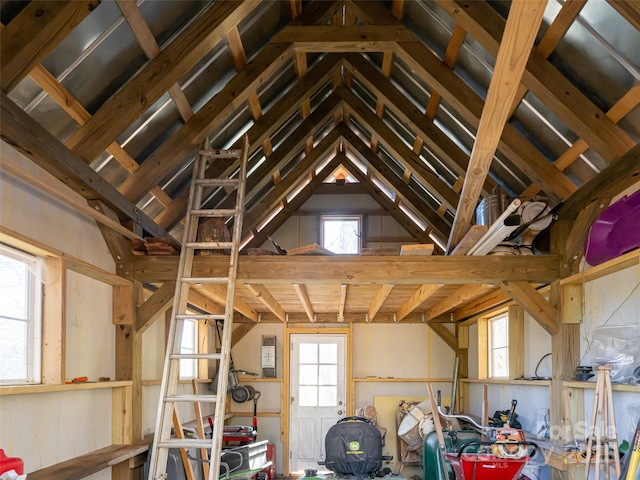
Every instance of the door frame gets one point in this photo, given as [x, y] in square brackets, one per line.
[347, 330]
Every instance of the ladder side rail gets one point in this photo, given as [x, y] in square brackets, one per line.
[164, 418]
[225, 343]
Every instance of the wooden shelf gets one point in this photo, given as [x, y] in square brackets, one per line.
[616, 387]
[401, 380]
[27, 389]
[495, 381]
[619, 263]
[93, 462]
[147, 383]
[259, 380]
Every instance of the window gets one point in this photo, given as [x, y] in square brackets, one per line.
[189, 344]
[499, 346]
[341, 234]
[20, 316]
[318, 378]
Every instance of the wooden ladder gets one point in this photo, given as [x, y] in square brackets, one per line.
[169, 395]
[603, 427]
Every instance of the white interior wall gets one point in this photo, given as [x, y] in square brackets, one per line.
[48, 428]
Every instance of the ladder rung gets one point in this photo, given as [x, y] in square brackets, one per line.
[211, 245]
[233, 153]
[204, 280]
[190, 397]
[214, 212]
[196, 356]
[217, 182]
[186, 443]
[219, 316]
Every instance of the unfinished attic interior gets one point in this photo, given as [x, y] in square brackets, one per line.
[423, 194]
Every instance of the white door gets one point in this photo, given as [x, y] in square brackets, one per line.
[318, 396]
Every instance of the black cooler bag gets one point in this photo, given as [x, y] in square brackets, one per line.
[353, 446]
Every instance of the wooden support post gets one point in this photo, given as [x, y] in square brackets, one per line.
[463, 400]
[54, 321]
[483, 348]
[516, 341]
[565, 345]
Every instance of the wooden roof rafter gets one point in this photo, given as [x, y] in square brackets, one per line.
[34, 33]
[546, 82]
[520, 32]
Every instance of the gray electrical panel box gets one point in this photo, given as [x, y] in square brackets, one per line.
[269, 356]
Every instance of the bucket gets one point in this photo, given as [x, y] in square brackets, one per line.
[490, 208]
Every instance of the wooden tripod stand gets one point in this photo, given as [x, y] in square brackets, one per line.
[603, 426]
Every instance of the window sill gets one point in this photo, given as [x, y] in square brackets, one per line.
[28, 389]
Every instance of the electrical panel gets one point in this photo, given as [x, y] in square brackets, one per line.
[269, 356]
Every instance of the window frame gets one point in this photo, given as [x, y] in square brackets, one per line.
[34, 316]
[359, 235]
[503, 317]
[515, 339]
[192, 361]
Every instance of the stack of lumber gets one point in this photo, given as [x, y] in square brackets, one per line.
[155, 246]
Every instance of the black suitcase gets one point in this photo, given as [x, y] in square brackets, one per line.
[353, 446]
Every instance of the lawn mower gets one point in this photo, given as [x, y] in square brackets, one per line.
[353, 450]
[466, 456]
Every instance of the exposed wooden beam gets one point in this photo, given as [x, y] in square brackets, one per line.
[156, 77]
[418, 297]
[268, 123]
[555, 90]
[445, 334]
[343, 302]
[204, 303]
[621, 109]
[240, 331]
[399, 149]
[301, 291]
[385, 202]
[472, 236]
[629, 9]
[558, 28]
[289, 182]
[12, 168]
[580, 228]
[436, 140]
[158, 302]
[295, 203]
[331, 38]
[382, 170]
[457, 298]
[522, 26]
[480, 305]
[381, 295]
[534, 304]
[556, 31]
[207, 119]
[151, 48]
[449, 59]
[34, 33]
[289, 147]
[73, 107]
[262, 293]
[218, 293]
[469, 105]
[620, 175]
[26, 135]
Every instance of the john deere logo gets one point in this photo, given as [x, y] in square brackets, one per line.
[354, 446]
